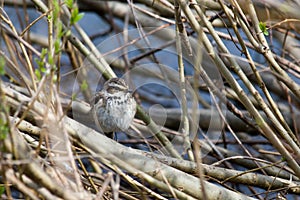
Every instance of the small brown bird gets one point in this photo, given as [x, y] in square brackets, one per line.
[113, 107]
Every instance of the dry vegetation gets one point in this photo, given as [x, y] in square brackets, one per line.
[245, 61]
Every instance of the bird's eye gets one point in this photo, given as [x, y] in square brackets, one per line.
[111, 90]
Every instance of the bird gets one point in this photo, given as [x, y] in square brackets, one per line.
[114, 107]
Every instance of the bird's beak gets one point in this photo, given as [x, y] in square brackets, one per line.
[130, 91]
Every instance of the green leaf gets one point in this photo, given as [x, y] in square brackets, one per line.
[44, 52]
[84, 85]
[68, 33]
[56, 9]
[54, 68]
[2, 189]
[60, 30]
[74, 96]
[43, 69]
[75, 16]
[263, 28]
[4, 129]
[3, 132]
[75, 11]
[78, 17]
[54, 79]
[38, 74]
[57, 46]
[2, 65]
[69, 3]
